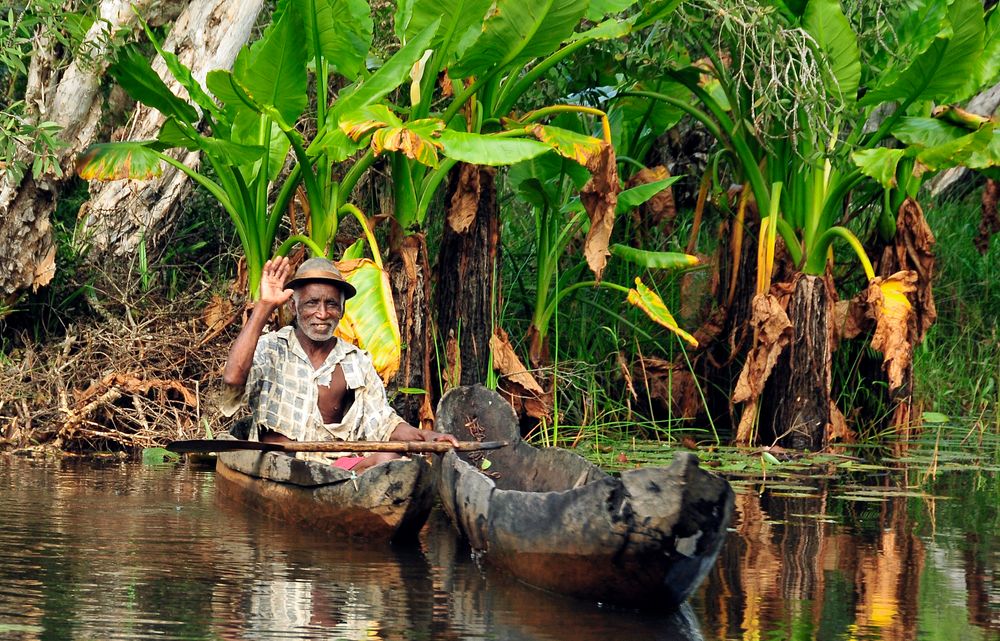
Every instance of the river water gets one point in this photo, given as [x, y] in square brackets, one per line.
[117, 550]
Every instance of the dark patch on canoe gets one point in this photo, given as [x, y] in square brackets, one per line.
[558, 522]
[390, 501]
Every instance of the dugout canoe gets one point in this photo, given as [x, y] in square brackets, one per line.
[390, 501]
[646, 538]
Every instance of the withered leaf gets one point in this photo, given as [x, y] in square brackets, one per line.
[465, 199]
[895, 327]
[772, 334]
[600, 197]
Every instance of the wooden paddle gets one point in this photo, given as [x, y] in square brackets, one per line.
[402, 447]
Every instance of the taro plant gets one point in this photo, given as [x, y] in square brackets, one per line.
[808, 114]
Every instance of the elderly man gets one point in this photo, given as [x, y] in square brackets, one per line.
[301, 382]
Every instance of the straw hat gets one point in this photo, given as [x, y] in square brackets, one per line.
[321, 270]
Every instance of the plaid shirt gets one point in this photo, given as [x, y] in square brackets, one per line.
[282, 392]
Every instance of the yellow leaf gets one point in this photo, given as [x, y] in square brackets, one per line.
[650, 302]
[370, 317]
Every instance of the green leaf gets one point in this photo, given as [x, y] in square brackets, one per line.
[650, 302]
[517, 31]
[370, 317]
[136, 76]
[336, 144]
[360, 122]
[183, 75]
[935, 417]
[119, 160]
[569, 144]
[486, 464]
[988, 64]
[770, 458]
[158, 456]
[827, 24]
[636, 196]
[940, 73]
[654, 259]
[598, 9]
[481, 149]
[174, 135]
[956, 152]
[458, 17]
[275, 71]
[879, 164]
[344, 30]
[227, 89]
[389, 76]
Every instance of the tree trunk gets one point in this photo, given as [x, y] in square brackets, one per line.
[795, 407]
[71, 98]
[409, 276]
[121, 214]
[468, 281]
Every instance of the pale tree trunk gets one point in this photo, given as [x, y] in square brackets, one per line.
[71, 98]
[121, 214]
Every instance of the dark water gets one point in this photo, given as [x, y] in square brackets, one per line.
[125, 551]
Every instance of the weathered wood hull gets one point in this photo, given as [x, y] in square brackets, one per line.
[390, 501]
[555, 521]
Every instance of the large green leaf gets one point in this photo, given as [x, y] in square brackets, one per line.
[275, 71]
[827, 24]
[988, 64]
[879, 164]
[652, 259]
[343, 29]
[598, 9]
[570, 144]
[370, 317]
[480, 149]
[941, 72]
[639, 194]
[517, 31]
[389, 76]
[183, 75]
[458, 17]
[119, 160]
[956, 152]
[136, 76]
[540, 180]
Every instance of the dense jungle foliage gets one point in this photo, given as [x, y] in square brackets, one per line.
[704, 221]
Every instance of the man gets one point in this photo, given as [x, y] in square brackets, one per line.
[301, 382]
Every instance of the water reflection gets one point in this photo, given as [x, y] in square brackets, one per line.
[823, 567]
[122, 551]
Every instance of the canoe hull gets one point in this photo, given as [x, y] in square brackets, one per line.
[388, 501]
[646, 539]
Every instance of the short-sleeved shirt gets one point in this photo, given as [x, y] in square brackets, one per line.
[283, 387]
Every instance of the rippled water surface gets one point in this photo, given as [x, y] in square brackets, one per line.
[126, 551]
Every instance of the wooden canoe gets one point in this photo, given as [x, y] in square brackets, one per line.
[390, 501]
[645, 538]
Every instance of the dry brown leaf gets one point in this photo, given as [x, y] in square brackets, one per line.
[465, 199]
[913, 251]
[45, 269]
[452, 374]
[850, 318]
[600, 197]
[669, 387]
[772, 334]
[519, 386]
[218, 313]
[895, 326]
[990, 222]
[838, 430]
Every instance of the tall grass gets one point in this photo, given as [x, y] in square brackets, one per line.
[957, 368]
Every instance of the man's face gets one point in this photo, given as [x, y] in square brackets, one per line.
[318, 308]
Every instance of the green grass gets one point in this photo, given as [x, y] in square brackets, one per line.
[957, 368]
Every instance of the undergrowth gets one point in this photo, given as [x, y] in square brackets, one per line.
[957, 368]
